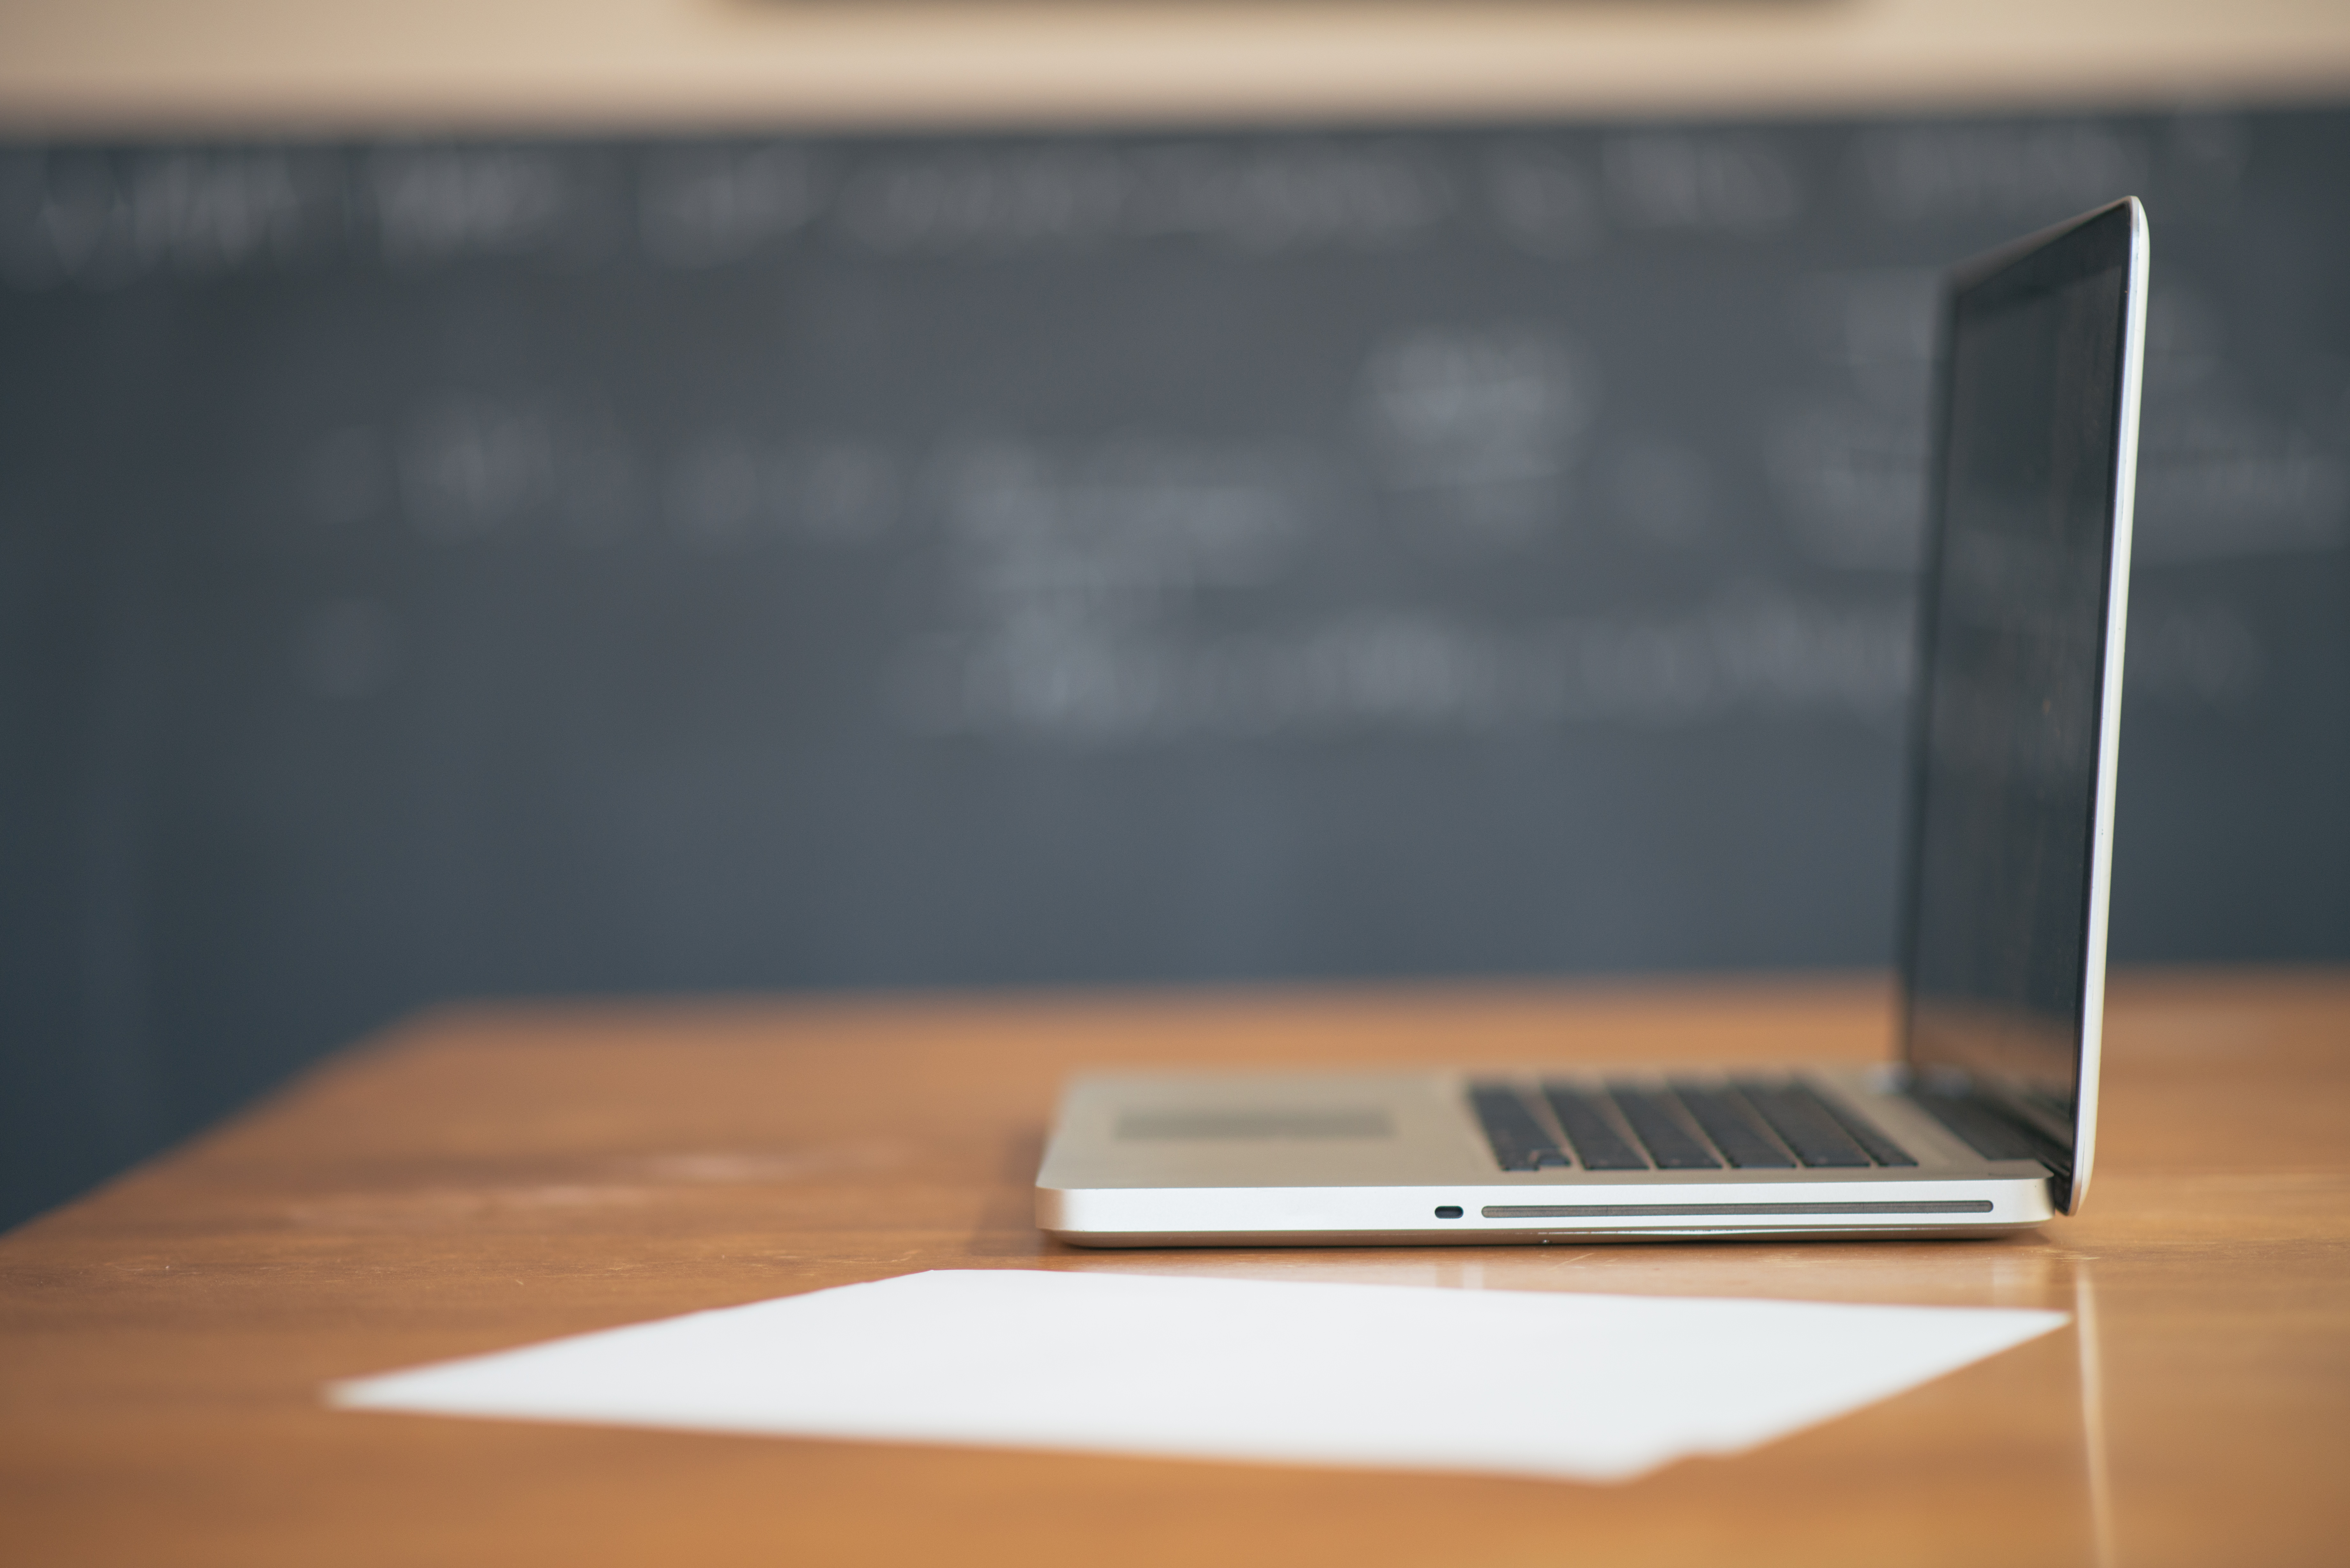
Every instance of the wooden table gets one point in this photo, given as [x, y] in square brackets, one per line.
[488, 1176]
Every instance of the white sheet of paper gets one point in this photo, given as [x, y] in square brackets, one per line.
[1585, 1388]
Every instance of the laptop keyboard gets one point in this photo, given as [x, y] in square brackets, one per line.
[1744, 1125]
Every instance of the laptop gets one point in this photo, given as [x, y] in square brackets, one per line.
[1987, 1124]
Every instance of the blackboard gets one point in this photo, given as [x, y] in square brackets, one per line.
[447, 568]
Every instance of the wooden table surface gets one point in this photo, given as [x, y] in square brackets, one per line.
[484, 1177]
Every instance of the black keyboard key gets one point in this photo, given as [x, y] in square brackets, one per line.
[1742, 1140]
[1864, 1132]
[1597, 1142]
[1979, 1127]
[1804, 1125]
[1520, 1142]
[1672, 1146]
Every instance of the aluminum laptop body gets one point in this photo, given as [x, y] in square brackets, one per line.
[1987, 1123]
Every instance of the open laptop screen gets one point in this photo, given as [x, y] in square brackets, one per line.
[2004, 962]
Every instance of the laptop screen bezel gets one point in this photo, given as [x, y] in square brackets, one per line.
[2071, 1181]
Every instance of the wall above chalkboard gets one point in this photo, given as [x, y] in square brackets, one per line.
[254, 66]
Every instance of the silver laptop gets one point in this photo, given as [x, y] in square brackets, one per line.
[1987, 1124]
